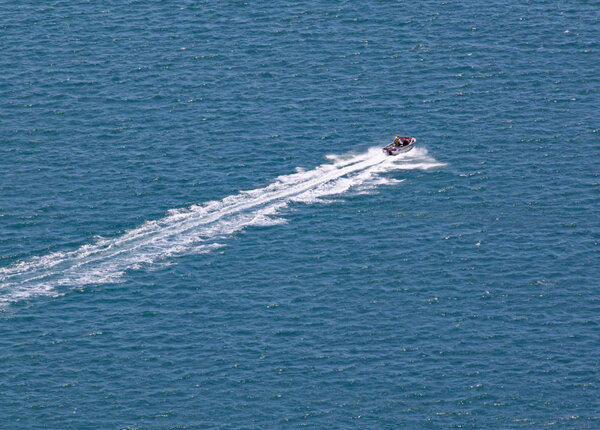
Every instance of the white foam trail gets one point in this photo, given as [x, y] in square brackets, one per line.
[198, 228]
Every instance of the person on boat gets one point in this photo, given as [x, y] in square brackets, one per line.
[397, 141]
[405, 141]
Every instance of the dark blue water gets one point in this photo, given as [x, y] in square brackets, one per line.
[199, 230]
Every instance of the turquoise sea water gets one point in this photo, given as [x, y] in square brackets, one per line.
[199, 230]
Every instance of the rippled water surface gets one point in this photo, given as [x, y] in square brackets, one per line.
[199, 230]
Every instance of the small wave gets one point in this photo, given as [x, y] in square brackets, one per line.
[199, 228]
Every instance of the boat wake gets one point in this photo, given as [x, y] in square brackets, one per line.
[199, 228]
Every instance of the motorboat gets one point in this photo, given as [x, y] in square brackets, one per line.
[400, 145]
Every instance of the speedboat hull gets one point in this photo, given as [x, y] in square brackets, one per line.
[393, 149]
